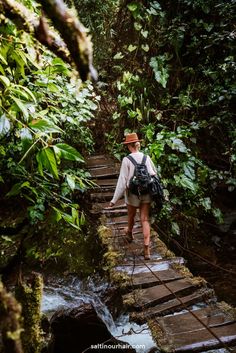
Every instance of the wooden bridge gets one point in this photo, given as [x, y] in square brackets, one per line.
[181, 311]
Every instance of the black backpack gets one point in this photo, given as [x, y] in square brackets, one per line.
[140, 182]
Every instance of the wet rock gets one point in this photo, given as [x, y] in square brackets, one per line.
[78, 329]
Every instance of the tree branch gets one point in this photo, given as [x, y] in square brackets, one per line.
[74, 35]
[72, 31]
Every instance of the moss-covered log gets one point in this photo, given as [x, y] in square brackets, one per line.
[74, 35]
[10, 328]
[30, 295]
[31, 23]
[77, 47]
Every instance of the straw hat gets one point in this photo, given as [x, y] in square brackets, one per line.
[130, 138]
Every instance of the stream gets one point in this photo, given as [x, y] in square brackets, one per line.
[71, 292]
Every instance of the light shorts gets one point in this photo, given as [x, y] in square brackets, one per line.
[135, 200]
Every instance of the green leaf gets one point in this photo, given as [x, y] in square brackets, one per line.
[21, 106]
[3, 60]
[2, 70]
[206, 203]
[132, 6]
[52, 87]
[137, 26]
[161, 72]
[132, 47]
[175, 228]
[144, 33]
[47, 159]
[5, 81]
[145, 47]
[15, 190]
[4, 125]
[70, 181]
[46, 126]
[185, 182]
[118, 56]
[67, 152]
[30, 94]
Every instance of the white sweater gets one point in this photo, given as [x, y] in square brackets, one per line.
[127, 171]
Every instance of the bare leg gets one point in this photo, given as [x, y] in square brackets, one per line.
[131, 214]
[144, 216]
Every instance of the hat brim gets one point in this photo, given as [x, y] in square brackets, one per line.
[128, 142]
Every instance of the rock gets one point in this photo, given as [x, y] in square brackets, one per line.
[76, 330]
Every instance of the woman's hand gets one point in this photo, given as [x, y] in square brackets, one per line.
[111, 204]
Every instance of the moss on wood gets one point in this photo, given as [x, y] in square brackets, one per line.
[227, 309]
[159, 336]
[30, 295]
[120, 279]
[10, 327]
[162, 248]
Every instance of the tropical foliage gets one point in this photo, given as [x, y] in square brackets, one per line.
[173, 74]
[45, 113]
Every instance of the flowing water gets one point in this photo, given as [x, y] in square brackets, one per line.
[73, 292]
[60, 294]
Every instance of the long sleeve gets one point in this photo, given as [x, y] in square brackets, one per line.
[122, 181]
[127, 171]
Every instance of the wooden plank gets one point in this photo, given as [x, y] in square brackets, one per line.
[117, 220]
[191, 335]
[117, 212]
[100, 206]
[159, 265]
[103, 172]
[142, 298]
[102, 195]
[173, 305]
[99, 160]
[105, 182]
[119, 204]
[151, 262]
[210, 316]
[156, 277]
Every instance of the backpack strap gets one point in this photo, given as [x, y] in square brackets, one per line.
[132, 160]
[144, 159]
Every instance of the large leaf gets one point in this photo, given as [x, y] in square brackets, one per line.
[46, 158]
[67, 152]
[3, 60]
[16, 189]
[70, 181]
[186, 183]
[21, 106]
[46, 126]
[5, 81]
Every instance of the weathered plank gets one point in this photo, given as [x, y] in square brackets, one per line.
[142, 267]
[157, 277]
[101, 195]
[173, 305]
[102, 172]
[99, 160]
[152, 261]
[106, 182]
[142, 298]
[184, 332]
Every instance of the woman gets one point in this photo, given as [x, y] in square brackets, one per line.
[133, 201]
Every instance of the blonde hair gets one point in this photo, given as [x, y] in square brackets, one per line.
[135, 144]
